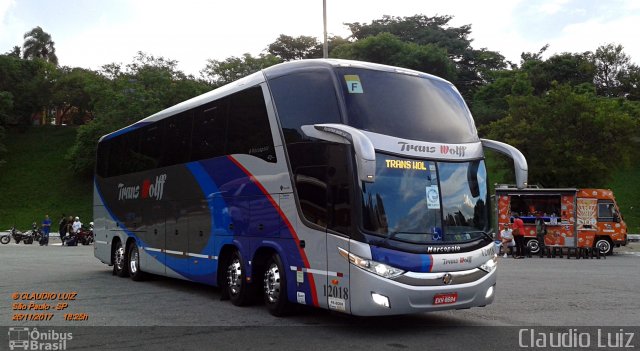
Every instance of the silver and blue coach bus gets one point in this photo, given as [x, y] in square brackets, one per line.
[351, 186]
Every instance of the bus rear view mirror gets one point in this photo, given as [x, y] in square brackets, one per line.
[340, 133]
[519, 161]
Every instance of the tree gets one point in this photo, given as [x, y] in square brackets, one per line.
[388, 49]
[6, 104]
[120, 96]
[288, 48]
[233, 68]
[15, 52]
[611, 64]
[38, 44]
[570, 138]
[472, 66]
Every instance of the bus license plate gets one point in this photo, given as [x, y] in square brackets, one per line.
[443, 299]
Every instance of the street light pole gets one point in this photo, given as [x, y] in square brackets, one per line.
[325, 46]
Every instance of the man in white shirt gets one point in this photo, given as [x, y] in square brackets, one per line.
[506, 236]
[76, 225]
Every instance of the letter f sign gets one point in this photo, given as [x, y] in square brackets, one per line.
[353, 84]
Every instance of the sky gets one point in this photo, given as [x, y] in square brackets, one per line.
[92, 33]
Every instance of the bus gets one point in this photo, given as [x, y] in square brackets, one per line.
[350, 186]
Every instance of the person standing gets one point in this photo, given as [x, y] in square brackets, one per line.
[62, 228]
[518, 235]
[46, 229]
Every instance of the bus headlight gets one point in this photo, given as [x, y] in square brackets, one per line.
[378, 268]
[490, 265]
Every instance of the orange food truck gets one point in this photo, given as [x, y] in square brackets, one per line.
[574, 218]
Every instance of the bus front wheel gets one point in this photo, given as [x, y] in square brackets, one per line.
[275, 287]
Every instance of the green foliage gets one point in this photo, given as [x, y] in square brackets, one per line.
[569, 138]
[611, 63]
[233, 68]
[626, 187]
[37, 180]
[29, 82]
[388, 49]
[38, 45]
[471, 67]
[121, 96]
[288, 48]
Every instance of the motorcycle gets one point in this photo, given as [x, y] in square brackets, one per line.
[35, 233]
[17, 236]
[85, 235]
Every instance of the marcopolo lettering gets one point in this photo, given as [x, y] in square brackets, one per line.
[148, 189]
[443, 249]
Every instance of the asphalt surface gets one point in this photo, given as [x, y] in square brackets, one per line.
[163, 313]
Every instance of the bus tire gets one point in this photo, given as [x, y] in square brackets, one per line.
[534, 246]
[133, 262]
[604, 245]
[275, 287]
[119, 260]
[235, 281]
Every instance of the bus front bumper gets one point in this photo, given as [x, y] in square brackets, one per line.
[373, 295]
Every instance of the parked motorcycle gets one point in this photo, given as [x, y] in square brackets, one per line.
[36, 234]
[17, 236]
[85, 235]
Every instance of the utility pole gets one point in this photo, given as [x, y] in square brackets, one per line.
[325, 46]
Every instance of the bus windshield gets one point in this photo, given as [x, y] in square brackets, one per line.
[405, 106]
[425, 202]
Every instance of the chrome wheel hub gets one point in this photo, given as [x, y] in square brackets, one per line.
[133, 263]
[272, 283]
[234, 274]
[119, 256]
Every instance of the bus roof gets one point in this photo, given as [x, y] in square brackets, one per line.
[260, 77]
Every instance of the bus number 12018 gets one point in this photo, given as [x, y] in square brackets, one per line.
[336, 291]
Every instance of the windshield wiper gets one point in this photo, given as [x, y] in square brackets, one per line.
[485, 234]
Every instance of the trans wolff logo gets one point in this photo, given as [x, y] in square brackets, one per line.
[453, 150]
[23, 338]
[147, 190]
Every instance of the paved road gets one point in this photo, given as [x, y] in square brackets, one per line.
[531, 292]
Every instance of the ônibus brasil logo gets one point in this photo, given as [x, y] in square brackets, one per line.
[147, 190]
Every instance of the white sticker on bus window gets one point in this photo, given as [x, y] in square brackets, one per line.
[337, 304]
[433, 197]
[301, 298]
[300, 277]
[354, 86]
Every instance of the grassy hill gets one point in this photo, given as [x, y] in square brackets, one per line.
[36, 180]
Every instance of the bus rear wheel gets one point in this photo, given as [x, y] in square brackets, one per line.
[235, 282]
[275, 287]
[134, 263]
[604, 245]
[119, 260]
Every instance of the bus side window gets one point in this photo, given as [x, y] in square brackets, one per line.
[209, 131]
[177, 136]
[248, 129]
